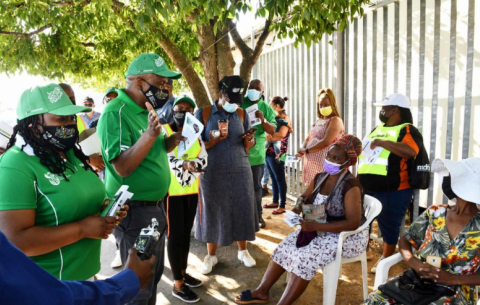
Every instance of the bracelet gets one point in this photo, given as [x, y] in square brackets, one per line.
[306, 151]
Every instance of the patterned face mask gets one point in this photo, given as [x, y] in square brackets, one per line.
[62, 137]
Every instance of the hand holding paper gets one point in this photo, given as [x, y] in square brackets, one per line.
[192, 129]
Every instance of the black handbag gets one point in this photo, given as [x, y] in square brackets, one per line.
[410, 289]
[419, 170]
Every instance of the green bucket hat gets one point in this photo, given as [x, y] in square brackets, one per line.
[151, 63]
[184, 98]
[46, 99]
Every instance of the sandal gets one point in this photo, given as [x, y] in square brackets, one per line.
[246, 298]
[277, 212]
[271, 206]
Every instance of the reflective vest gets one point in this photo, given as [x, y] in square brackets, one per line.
[176, 188]
[380, 167]
[80, 124]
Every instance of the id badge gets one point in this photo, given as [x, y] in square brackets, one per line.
[435, 261]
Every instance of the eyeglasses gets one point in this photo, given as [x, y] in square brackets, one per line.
[387, 109]
[88, 105]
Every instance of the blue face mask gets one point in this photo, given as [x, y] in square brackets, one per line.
[253, 95]
[230, 107]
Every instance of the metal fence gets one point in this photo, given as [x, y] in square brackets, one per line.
[427, 49]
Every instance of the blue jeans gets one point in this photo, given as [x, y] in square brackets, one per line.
[394, 206]
[279, 184]
[266, 175]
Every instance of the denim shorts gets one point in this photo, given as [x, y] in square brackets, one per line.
[394, 206]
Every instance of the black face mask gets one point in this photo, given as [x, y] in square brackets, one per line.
[383, 118]
[447, 188]
[179, 117]
[62, 137]
[156, 96]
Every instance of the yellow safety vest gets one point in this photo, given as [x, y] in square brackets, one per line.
[380, 167]
[176, 188]
[80, 124]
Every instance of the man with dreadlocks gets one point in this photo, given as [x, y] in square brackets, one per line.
[135, 154]
[49, 196]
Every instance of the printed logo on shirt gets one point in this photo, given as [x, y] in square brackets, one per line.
[53, 178]
[141, 131]
[55, 95]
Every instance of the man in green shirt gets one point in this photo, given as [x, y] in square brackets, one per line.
[135, 154]
[266, 115]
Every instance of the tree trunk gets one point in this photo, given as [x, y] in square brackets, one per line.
[183, 63]
[225, 61]
[208, 58]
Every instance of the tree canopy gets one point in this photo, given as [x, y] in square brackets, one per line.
[92, 42]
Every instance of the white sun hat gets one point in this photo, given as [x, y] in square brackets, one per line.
[465, 176]
[395, 99]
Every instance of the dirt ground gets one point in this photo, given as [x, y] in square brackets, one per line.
[229, 277]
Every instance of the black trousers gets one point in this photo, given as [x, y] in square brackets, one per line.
[257, 172]
[181, 211]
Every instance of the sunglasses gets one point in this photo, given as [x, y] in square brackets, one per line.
[88, 105]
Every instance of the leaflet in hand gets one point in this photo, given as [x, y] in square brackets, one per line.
[292, 219]
[292, 159]
[251, 115]
[116, 203]
[192, 129]
[370, 154]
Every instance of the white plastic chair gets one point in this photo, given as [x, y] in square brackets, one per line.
[332, 272]
[381, 275]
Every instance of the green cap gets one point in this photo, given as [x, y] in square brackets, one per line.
[111, 90]
[184, 98]
[151, 63]
[46, 99]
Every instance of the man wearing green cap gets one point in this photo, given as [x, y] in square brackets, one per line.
[182, 201]
[50, 196]
[110, 94]
[135, 154]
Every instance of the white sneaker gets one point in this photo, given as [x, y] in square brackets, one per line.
[246, 258]
[117, 261]
[209, 261]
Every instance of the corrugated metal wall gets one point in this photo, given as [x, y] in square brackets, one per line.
[426, 49]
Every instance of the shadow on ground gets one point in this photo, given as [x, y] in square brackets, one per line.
[229, 277]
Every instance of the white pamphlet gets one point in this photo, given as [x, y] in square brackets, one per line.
[90, 142]
[251, 115]
[292, 159]
[292, 219]
[370, 154]
[6, 132]
[192, 129]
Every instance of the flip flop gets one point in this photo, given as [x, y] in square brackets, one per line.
[277, 212]
[271, 205]
[246, 298]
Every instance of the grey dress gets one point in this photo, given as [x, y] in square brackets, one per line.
[226, 210]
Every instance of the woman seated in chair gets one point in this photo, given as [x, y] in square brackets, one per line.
[305, 251]
[451, 233]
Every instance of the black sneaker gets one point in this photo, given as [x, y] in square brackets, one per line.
[261, 222]
[185, 294]
[191, 282]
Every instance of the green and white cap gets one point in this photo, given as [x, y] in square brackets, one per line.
[151, 63]
[46, 99]
[184, 98]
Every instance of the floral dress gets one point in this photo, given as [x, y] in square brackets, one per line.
[460, 256]
[313, 162]
[322, 250]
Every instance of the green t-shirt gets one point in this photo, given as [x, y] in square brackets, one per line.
[27, 184]
[121, 125]
[257, 153]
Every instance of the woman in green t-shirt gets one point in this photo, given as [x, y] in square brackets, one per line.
[49, 196]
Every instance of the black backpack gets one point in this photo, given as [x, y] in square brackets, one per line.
[419, 170]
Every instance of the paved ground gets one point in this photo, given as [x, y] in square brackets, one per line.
[230, 277]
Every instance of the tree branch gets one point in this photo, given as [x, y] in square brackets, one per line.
[26, 35]
[237, 39]
[261, 40]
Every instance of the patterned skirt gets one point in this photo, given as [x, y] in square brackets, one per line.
[321, 251]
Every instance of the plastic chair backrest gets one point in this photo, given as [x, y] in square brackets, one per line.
[373, 207]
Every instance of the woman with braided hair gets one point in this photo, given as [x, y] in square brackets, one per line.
[49, 196]
[314, 245]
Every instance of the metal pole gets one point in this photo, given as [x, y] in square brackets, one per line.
[340, 57]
